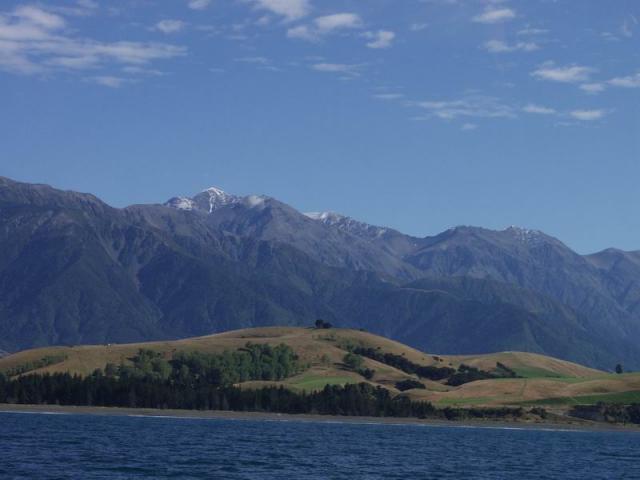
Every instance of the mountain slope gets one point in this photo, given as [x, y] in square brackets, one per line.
[74, 270]
[621, 276]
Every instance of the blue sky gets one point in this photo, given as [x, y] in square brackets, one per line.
[415, 114]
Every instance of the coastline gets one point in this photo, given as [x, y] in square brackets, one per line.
[569, 425]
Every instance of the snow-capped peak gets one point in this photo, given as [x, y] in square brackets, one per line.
[215, 191]
[208, 200]
[213, 198]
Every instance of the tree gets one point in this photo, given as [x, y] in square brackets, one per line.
[353, 361]
[367, 373]
[322, 324]
[619, 369]
[409, 384]
[110, 370]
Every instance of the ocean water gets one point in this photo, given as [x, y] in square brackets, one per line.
[36, 446]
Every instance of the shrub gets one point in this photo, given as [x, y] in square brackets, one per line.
[367, 373]
[409, 384]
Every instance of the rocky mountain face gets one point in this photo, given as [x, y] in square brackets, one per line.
[74, 270]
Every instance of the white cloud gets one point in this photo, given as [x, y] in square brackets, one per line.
[631, 81]
[170, 26]
[538, 109]
[34, 41]
[337, 21]
[303, 32]
[89, 4]
[498, 46]
[418, 27]
[109, 81]
[261, 63]
[569, 74]
[74, 62]
[467, 127]
[592, 87]
[290, 9]
[263, 20]
[82, 8]
[470, 106]
[336, 68]
[39, 17]
[380, 39]
[532, 31]
[198, 4]
[587, 115]
[496, 15]
[136, 70]
[325, 25]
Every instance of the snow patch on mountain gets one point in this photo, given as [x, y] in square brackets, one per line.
[525, 235]
[181, 203]
[347, 223]
[255, 200]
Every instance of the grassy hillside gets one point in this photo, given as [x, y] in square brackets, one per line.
[544, 380]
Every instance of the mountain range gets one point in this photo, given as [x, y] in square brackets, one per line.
[75, 270]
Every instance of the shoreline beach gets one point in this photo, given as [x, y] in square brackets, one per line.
[569, 425]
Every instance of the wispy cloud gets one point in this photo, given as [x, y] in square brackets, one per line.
[39, 18]
[198, 4]
[79, 8]
[262, 63]
[584, 115]
[418, 27]
[34, 40]
[587, 115]
[380, 39]
[169, 26]
[344, 68]
[567, 74]
[592, 87]
[538, 109]
[469, 106]
[467, 127]
[325, 25]
[630, 81]
[532, 31]
[109, 81]
[498, 46]
[289, 9]
[337, 21]
[303, 32]
[495, 15]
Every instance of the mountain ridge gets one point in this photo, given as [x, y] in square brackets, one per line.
[88, 271]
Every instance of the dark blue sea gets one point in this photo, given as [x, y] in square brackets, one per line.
[37, 446]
